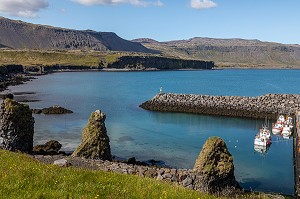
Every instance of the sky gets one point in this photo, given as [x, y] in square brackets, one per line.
[166, 20]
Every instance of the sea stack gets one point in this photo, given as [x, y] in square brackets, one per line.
[95, 141]
[214, 169]
[16, 126]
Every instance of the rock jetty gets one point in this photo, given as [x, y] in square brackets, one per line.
[261, 107]
[16, 126]
[95, 142]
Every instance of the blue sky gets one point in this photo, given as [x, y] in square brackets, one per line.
[164, 20]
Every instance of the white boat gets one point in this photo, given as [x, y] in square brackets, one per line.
[286, 131]
[263, 138]
[277, 128]
[281, 119]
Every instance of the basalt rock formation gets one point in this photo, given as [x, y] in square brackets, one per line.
[16, 126]
[214, 168]
[51, 147]
[161, 63]
[95, 142]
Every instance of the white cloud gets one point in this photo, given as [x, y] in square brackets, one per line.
[22, 8]
[115, 2]
[202, 4]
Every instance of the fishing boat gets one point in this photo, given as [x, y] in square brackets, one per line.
[278, 126]
[263, 138]
[286, 132]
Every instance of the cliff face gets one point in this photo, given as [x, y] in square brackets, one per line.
[144, 62]
[18, 35]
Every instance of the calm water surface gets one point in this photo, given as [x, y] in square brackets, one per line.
[172, 137]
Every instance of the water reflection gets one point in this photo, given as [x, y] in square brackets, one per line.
[261, 149]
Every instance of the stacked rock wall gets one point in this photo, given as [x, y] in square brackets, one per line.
[261, 107]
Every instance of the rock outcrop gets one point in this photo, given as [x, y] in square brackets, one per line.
[95, 142]
[214, 168]
[52, 110]
[261, 107]
[16, 126]
[51, 147]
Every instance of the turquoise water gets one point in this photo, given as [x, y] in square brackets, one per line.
[172, 137]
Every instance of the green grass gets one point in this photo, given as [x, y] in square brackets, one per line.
[49, 58]
[23, 177]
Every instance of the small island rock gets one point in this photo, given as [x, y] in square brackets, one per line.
[16, 126]
[95, 142]
[52, 110]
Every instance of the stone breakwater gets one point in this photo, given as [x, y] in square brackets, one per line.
[261, 107]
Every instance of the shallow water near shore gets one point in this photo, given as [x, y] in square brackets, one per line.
[174, 138]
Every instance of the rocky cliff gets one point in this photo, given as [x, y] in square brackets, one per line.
[95, 142]
[16, 126]
[19, 35]
[163, 63]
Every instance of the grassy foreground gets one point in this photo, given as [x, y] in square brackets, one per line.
[23, 177]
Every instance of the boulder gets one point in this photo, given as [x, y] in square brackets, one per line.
[51, 147]
[214, 169]
[95, 142]
[16, 126]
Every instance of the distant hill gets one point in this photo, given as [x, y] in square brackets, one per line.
[20, 35]
[230, 52]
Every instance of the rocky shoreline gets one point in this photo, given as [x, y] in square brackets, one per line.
[261, 107]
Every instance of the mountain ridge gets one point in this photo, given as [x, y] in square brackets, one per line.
[229, 52]
[17, 34]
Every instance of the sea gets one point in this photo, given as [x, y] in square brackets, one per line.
[173, 138]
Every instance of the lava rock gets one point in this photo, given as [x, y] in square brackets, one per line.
[95, 142]
[16, 126]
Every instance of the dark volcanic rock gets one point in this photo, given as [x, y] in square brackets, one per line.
[52, 110]
[215, 169]
[95, 142]
[16, 126]
[51, 147]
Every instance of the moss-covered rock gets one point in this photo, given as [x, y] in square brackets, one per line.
[95, 142]
[16, 126]
[51, 147]
[214, 168]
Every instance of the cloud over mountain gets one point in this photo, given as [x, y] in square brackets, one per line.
[202, 4]
[22, 8]
[115, 2]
